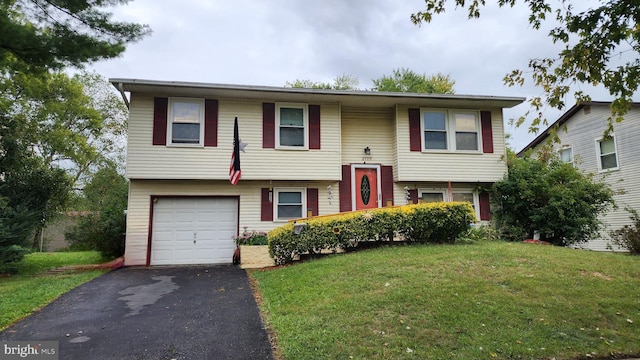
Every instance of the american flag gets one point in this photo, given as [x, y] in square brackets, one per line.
[234, 169]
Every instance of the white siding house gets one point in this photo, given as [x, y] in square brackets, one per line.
[308, 152]
[580, 132]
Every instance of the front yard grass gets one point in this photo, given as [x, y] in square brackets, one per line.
[491, 300]
[33, 286]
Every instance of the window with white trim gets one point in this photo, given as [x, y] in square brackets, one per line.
[429, 196]
[450, 130]
[461, 194]
[566, 155]
[289, 203]
[292, 125]
[186, 121]
[607, 154]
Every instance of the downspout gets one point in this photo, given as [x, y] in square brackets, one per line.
[124, 97]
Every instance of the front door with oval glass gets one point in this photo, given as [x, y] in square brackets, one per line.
[366, 188]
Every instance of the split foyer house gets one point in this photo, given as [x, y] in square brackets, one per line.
[614, 159]
[308, 152]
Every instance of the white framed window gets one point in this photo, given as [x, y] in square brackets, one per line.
[450, 130]
[186, 121]
[431, 195]
[607, 153]
[289, 203]
[566, 155]
[461, 194]
[470, 196]
[292, 126]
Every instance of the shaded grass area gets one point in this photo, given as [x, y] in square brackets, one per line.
[484, 301]
[33, 288]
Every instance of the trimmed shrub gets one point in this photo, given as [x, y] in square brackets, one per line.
[437, 223]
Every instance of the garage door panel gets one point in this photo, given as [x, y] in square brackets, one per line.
[176, 220]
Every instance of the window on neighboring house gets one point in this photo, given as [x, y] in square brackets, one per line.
[566, 155]
[186, 119]
[292, 122]
[289, 203]
[607, 155]
[450, 130]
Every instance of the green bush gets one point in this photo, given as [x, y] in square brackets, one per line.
[436, 223]
[628, 237]
[104, 227]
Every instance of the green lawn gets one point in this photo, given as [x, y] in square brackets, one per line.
[32, 288]
[491, 300]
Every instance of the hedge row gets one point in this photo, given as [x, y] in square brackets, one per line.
[424, 223]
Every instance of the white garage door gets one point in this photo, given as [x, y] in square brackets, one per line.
[193, 230]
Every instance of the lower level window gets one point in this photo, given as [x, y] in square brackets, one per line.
[462, 195]
[289, 203]
[429, 197]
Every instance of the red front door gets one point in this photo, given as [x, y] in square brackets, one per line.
[366, 180]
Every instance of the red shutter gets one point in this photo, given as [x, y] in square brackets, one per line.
[314, 126]
[487, 132]
[485, 207]
[268, 125]
[345, 189]
[413, 196]
[312, 201]
[211, 122]
[415, 143]
[160, 108]
[386, 177]
[266, 206]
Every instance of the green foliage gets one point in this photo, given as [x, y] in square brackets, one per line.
[405, 80]
[435, 223]
[555, 198]
[628, 237]
[477, 234]
[343, 82]
[601, 46]
[103, 228]
[252, 238]
[40, 35]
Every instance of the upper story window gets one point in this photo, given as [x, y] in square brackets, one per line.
[289, 203]
[451, 130]
[292, 126]
[566, 155]
[607, 154]
[186, 121]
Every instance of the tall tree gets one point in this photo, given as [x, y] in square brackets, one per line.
[53, 34]
[593, 43]
[405, 80]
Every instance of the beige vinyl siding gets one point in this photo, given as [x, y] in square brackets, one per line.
[580, 133]
[449, 166]
[367, 127]
[249, 193]
[145, 161]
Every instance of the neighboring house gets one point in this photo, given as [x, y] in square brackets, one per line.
[580, 131]
[309, 152]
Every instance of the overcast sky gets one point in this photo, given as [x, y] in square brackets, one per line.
[270, 42]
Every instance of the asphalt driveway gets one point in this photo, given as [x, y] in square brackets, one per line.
[153, 313]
